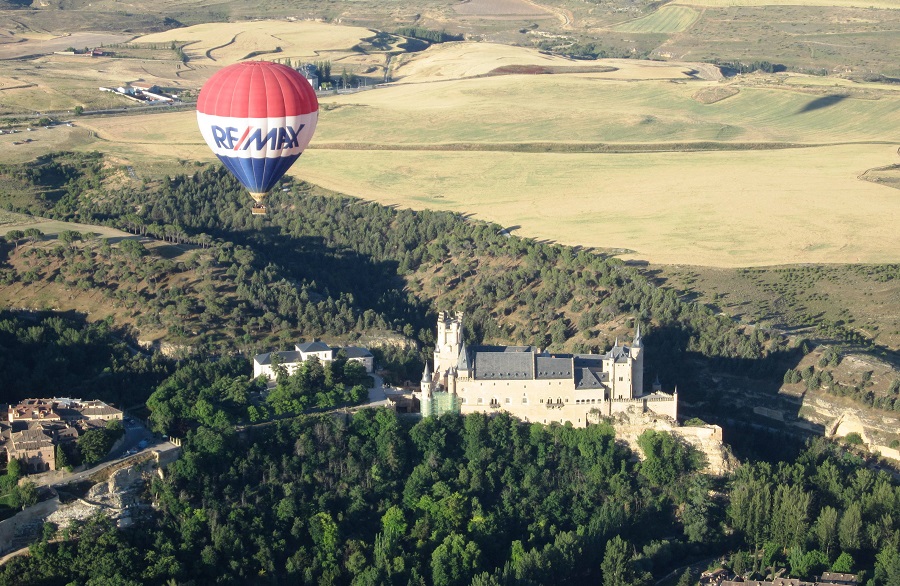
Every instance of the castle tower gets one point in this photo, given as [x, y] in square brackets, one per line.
[425, 401]
[637, 364]
[449, 342]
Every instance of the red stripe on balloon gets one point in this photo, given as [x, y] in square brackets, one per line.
[243, 136]
[257, 89]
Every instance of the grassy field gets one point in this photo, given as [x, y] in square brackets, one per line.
[587, 108]
[51, 228]
[828, 39]
[502, 9]
[459, 60]
[789, 297]
[669, 19]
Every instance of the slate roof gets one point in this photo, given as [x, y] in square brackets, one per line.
[554, 367]
[503, 362]
[357, 352]
[286, 356]
[464, 362]
[307, 347]
[588, 378]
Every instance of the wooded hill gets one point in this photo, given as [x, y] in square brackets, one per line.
[326, 265]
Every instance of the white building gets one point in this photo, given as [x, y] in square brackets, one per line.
[292, 359]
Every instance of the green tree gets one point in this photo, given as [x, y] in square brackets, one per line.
[887, 566]
[826, 529]
[850, 528]
[33, 235]
[14, 236]
[94, 445]
[28, 494]
[843, 564]
[454, 561]
[616, 566]
[79, 110]
[62, 461]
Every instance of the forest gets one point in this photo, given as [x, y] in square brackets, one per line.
[375, 499]
[51, 355]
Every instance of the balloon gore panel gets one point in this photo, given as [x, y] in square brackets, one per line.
[258, 175]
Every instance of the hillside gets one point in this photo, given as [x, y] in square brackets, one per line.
[327, 265]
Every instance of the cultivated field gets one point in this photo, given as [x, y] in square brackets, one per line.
[501, 9]
[669, 19]
[591, 108]
[714, 208]
[611, 145]
[226, 43]
[889, 4]
[460, 60]
[13, 45]
[817, 38]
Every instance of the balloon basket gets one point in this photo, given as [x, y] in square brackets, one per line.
[258, 210]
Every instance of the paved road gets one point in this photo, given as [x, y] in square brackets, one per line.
[56, 479]
[377, 397]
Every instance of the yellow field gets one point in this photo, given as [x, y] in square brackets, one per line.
[226, 43]
[715, 208]
[722, 208]
[830, 3]
[456, 60]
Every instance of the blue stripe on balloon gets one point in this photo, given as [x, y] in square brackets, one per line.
[258, 175]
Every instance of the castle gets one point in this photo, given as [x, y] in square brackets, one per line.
[538, 387]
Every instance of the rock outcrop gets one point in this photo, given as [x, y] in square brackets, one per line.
[707, 439]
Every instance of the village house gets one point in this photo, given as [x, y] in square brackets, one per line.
[36, 426]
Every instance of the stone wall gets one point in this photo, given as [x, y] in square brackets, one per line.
[19, 529]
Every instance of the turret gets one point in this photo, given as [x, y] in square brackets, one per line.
[449, 342]
[425, 401]
[637, 363]
[426, 379]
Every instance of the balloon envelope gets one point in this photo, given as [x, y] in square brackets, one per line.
[257, 117]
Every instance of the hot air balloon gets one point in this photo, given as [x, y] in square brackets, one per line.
[257, 117]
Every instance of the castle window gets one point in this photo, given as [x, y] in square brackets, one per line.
[542, 400]
[524, 400]
[463, 400]
[620, 379]
[508, 401]
[480, 400]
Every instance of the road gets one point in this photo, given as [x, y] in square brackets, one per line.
[134, 434]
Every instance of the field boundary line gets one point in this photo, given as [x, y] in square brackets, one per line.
[586, 148]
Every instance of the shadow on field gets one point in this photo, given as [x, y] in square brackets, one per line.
[823, 102]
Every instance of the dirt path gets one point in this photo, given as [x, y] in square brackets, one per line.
[565, 16]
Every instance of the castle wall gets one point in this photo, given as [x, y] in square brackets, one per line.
[548, 401]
